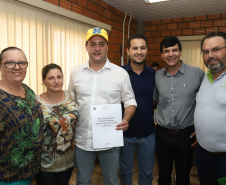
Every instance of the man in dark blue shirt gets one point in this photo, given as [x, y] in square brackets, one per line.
[141, 133]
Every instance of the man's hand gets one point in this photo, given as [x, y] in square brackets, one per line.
[195, 143]
[124, 125]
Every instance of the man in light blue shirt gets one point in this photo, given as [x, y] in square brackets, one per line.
[210, 112]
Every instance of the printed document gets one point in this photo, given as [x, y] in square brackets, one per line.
[104, 121]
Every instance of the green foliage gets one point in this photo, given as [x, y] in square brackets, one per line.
[21, 155]
[27, 103]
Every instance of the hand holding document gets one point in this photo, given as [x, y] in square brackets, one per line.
[104, 121]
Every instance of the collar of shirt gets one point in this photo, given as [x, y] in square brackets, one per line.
[181, 69]
[106, 65]
[129, 68]
[210, 76]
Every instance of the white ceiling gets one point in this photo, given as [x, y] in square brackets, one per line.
[141, 11]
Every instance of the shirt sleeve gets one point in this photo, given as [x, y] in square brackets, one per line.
[73, 95]
[70, 85]
[127, 95]
[202, 74]
[2, 123]
[155, 93]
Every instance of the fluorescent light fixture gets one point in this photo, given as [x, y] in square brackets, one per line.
[154, 1]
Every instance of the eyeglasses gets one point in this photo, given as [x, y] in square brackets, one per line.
[12, 65]
[213, 51]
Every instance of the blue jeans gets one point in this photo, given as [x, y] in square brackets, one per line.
[145, 148]
[210, 166]
[109, 161]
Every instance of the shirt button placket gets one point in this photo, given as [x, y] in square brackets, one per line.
[91, 104]
[94, 86]
[172, 98]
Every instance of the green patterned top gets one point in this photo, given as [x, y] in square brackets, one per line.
[21, 135]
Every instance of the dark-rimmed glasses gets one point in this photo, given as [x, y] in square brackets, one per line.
[12, 65]
[213, 51]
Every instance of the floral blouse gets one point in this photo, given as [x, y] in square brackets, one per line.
[59, 133]
[21, 135]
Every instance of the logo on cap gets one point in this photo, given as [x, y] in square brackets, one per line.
[96, 30]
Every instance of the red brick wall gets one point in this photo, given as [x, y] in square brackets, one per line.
[155, 31]
[103, 12]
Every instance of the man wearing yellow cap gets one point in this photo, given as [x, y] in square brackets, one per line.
[99, 82]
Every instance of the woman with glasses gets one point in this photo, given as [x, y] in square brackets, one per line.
[21, 122]
[60, 116]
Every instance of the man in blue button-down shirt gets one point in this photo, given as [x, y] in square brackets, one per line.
[141, 133]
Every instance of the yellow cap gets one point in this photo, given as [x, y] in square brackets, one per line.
[96, 32]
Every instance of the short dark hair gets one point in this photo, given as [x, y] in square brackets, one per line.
[49, 67]
[136, 36]
[169, 42]
[7, 49]
[155, 64]
[214, 34]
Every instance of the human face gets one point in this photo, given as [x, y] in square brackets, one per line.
[53, 80]
[171, 56]
[215, 61]
[137, 51]
[16, 74]
[97, 49]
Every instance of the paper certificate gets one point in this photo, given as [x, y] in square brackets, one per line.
[104, 121]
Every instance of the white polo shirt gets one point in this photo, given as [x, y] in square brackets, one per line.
[210, 114]
[110, 85]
